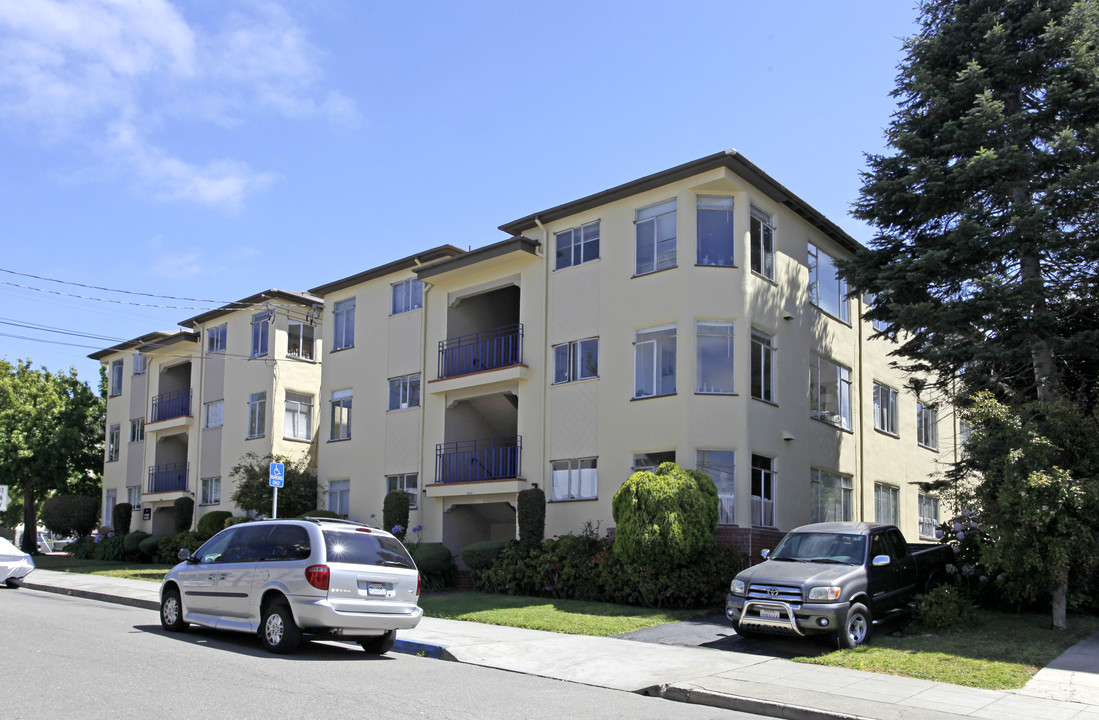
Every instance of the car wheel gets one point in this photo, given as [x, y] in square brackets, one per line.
[856, 628]
[381, 644]
[171, 611]
[277, 629]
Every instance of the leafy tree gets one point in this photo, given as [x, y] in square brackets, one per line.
[298, 494]
[51, 438]
[68, 515]
[984, 263]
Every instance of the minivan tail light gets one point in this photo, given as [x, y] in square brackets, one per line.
[419, 583]
[317, 576]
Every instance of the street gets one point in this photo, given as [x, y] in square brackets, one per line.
[71, 657]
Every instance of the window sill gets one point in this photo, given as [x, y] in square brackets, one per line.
[772, 403]
[928, 447]
[255, 437]
[825, 313]
[716, 265]
[299, 358]
[336, 440]
[571, 500]
[297, 439]
[764, 527]
[764, 278]
[398, 410]
[213, 427]
[651, 397]
[833, 425]
[583, 264]
[653, 272]
[719, 394]
[110, 460]
[574, 382]
[893, 435]
[209, 504]
[336, 350]
[404, 312]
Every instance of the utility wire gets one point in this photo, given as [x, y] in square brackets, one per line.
[115, 290]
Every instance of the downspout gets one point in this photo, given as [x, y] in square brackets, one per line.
[545, 336]
[862, 420]
[422, 500]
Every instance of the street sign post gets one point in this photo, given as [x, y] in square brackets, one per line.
[276, 478]
[4, 499]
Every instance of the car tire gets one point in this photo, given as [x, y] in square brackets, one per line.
[171, 611]
[277, 629]
[380, 644]
[856, 627]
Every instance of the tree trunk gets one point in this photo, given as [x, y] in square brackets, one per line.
[30, 519]
[1060, 602]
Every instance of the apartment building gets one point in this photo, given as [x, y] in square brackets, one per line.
[183, 407]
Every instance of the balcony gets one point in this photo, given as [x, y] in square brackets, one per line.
[478, 460]
[171, 405]
[481, 351]
[171, 477]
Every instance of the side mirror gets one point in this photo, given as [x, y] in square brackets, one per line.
[880, 561]
[184, 554]
[765, 553]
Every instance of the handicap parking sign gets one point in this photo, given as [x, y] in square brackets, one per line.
[278, 472]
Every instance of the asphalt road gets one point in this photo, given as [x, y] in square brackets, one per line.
[65, 657]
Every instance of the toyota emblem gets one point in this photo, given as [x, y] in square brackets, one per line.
[773, 592]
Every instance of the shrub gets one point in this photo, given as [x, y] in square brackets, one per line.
[150, 547]
[111, 548]
[212, 522]
[395, 513]
[254, 493]
[131, 543]
[479, 555]
[436, 565]
[185, 513]
[123, 513]
[236, 520]
[531, 515]
[66, 515]
[82, 548]
[664, 519]
[320, 514]
[169, 545]
[943, 607]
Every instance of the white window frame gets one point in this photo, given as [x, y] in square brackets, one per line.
[114, 442]
[655, 220]
[763, 366]
[576, 246]
[885, 409]
[409, 482]
[649, 462]
[887, 501]
[261, 322]
[340, 415]
[217, 338]
[928, 516]
[407, 295]
[304, 336]
[927, 426]
[339, 496]
[137, 430]
[404, 392]
[574, 479]
[116, 378]
[569, 361]
[257, 414]
[343, 324]
[843, 487]
[210, 493]
[833, 283]
[213, 414]
[720, 466]
[763, 491]
[659, 345]
[133, 496]
[298, 416]
[710, 336]
[141, 364]
[840, 415]
[762, 237]
[715, 206]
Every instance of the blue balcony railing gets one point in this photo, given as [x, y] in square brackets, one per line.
[481, 351]
[171, 405]
[471, 460]
[168, 478]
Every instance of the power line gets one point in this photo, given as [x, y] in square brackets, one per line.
[115, 290]
[106, 300]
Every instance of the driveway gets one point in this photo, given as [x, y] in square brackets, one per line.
[715, 631]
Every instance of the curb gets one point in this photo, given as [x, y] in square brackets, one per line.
[699, 696]
[423, 649]
[92, 595]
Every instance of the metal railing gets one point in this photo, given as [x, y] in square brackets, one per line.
[481, 351]
[171, 405]
[470, 460]
[168, 478]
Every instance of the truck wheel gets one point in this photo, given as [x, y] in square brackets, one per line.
[277, 629]
[856, 628]
[381, 644]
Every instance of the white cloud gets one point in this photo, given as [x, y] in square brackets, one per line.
[174, 263]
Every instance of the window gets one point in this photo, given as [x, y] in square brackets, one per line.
[409, 482]
[343, 324]
[116, 378]
[114, 439]
[929, 516]
[575, 479]
[720, 465]
[407, 295]
[341, 415]
[257, 414]
[655, 246]
[211, 491]
[654, 362]
[216, 337]
[404, 392]
[213, 414]
[651, 461]
[927, 426]
[763, 367]
[870, 301]
[133, 495]
[886, 503]
[110, 499]
[137, 430]
[827, 290]
[260, 323]
[829, 392]
[141, 364]
[715, 357]
[831, 494]
[885, 409]
[298, 423]
[577, 245]
[715, 230]
[763, 491]
[576, 360]
[299, 340]
[763, 244]
[339, 497]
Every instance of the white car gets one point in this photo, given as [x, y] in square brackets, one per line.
[14, 563]
[291, 580]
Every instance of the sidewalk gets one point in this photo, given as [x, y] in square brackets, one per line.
[1067, 690]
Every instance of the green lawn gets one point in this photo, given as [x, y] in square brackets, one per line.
[134, 571]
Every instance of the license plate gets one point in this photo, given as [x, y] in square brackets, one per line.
[377, 589]
[769, 614]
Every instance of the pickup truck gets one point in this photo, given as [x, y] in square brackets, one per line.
[836, 579]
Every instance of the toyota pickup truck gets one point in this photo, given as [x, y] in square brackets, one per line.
[834, 578]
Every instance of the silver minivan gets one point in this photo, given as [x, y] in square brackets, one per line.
[290, 580]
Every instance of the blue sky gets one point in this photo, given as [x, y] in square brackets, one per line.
[215, 148]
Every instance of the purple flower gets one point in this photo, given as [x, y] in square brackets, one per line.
[397, 529]
[110, 534]
[961, 536]
[957, 526]
[416, 529]
[938, 534]
[984, 578]
[1001, 577]
[967, 569]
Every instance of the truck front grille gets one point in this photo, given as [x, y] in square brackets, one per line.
[780, 593]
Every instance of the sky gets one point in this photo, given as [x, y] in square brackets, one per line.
[212, 149]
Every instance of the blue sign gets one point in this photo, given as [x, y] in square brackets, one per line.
[278, 472]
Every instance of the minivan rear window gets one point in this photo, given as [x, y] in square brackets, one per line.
[365, 549]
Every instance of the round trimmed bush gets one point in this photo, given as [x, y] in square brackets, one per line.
[149, 546]
[436, 565]
[67, 515]
[131, 543]
[213, 522]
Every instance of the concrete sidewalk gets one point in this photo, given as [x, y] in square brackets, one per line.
[1067, 689]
